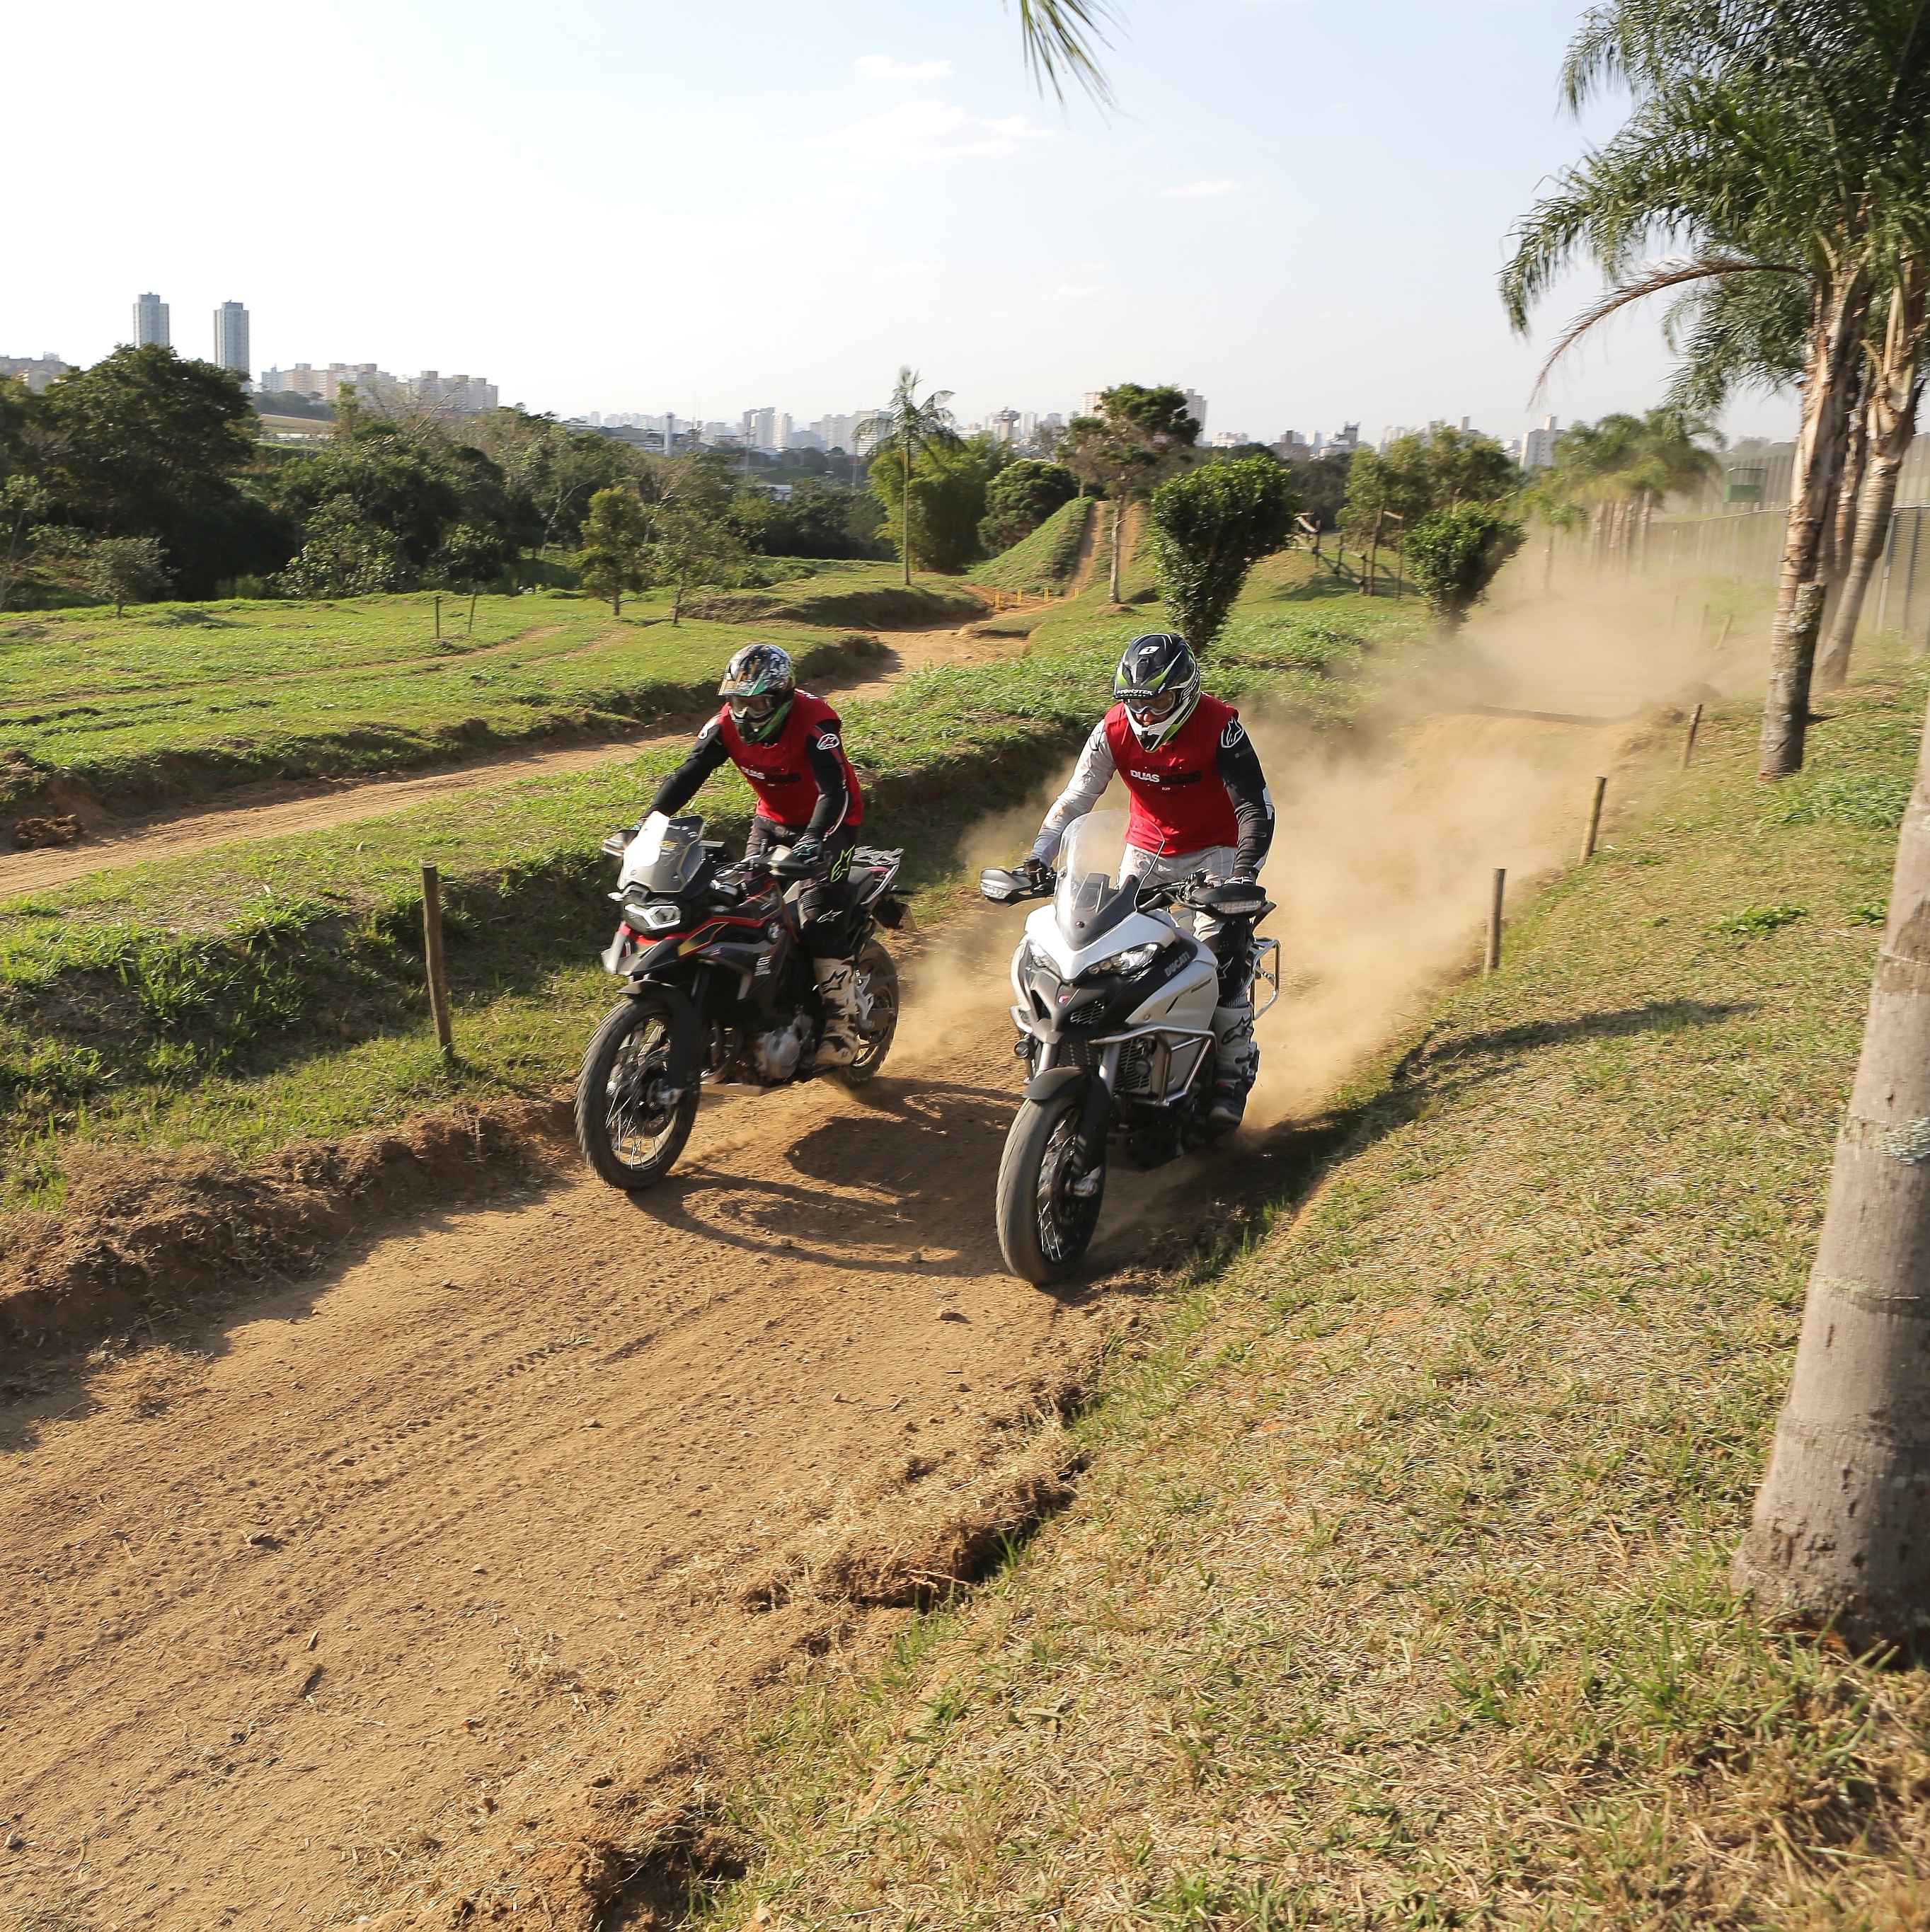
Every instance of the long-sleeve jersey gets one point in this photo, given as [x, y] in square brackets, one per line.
[1234, 764]
[824, 761]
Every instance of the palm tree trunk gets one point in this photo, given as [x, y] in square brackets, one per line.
[1836, 343]
[1888, 426]
[1118, 518]
[904, 509]
[1838, 1526]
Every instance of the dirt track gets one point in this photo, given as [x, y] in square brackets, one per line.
[292, 1608]
[274, 810]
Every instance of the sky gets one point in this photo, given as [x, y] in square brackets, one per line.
[1298, 210]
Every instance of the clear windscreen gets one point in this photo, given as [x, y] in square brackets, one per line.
[1089, 897]
[664, 855]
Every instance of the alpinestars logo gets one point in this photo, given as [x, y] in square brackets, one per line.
[828, 741]
[1232, 735]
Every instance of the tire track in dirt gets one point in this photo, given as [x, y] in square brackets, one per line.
[284, 1604]
[277, 810]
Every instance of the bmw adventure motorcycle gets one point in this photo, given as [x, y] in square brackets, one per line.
[718, 987]
[1115, 1006]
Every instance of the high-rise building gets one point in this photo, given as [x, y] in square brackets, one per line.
[231, 338]
[151, 322]
[1538, 445]
[1196, 407]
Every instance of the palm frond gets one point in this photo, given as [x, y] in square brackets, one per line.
[1063, 38]
[1660, 275]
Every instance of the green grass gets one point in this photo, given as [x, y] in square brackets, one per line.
[1042, 563]
[1396, 1596]
[174, 699]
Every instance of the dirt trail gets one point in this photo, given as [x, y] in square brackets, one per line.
[323, 1580]
[274, 810]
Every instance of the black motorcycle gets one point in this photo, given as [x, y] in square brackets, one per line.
[719, 987]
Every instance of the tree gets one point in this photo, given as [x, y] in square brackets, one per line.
[1455, 554]
[1620, 469]
[946, 500]
[23, 504]
[694, 547]
[1417, 475]
[1141, 436]
[1786, 136]
[1020, 498]
[901, 432]
[125, 571]
[1209, 527]
[141, 438]
[821, 519]
[1838, 1530]
[344, 553]
[616, 553]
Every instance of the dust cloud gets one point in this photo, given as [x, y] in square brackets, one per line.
[1483, 756]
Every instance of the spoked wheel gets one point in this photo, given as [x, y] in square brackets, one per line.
[1049, 1197]
[877, 983]
[629, 1126]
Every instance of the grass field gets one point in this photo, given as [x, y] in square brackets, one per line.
[256, 992]
[174, 699]
[1396, 1596]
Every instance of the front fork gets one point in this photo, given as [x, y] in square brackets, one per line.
[1095, 1112]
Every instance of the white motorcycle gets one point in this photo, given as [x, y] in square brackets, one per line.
[1115, 1006]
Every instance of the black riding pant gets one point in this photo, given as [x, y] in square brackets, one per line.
[825, 904]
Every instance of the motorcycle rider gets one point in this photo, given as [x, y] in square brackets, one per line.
[790, 747]
[1199, 804]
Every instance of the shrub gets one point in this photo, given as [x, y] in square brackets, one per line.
[1209, 527]
[1454, 555]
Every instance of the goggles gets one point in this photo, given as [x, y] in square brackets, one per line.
[1153, 707]
[755, 707]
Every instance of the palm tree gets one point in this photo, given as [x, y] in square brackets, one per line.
[906, 427]
[1780, 136]
[1059, 37]
[1620, 469]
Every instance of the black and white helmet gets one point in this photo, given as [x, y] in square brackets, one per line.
[1158, 683]
[758, 685]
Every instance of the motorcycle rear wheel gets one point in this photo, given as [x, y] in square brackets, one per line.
[628, 1132]
[1044, 1228]
[878, 973]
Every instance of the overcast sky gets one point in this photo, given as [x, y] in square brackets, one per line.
[1298, 210]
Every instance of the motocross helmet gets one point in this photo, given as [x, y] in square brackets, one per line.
[1158, 683]
[758, 685]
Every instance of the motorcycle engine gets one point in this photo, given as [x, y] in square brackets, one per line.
[776, 1053]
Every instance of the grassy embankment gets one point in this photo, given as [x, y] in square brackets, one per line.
[1395, 1595]
[174, 700]
[260, 992]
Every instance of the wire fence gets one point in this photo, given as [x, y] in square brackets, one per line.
[1749, 544]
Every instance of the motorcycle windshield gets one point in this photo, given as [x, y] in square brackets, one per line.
[1091, 899]
[664, 855]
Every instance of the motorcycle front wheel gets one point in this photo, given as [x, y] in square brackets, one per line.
[1049, 1197]
[877, 976]
[629, 1128]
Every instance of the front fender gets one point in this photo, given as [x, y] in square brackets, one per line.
[1054, 1080]
[684, 1028]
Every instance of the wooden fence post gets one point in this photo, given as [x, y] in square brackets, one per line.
[432, 952]
[439, 613]
[1493, 961]
[1594, 822]
[1688, 742]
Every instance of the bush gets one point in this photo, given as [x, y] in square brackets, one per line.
[1454, 555]
[1209, 527]
[1020, 498]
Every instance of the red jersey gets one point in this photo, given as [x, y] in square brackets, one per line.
[779, 769]
[1180, 801]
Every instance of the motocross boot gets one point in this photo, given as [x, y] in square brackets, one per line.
[840, 1043]
[1236, 1062]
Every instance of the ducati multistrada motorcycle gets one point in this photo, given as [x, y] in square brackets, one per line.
[1114, 1010]
[718, 987]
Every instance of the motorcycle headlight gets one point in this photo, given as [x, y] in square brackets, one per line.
[1134, 959]
[655, 917]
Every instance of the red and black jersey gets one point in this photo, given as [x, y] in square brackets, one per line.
[803, 779]
[1180, 801]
